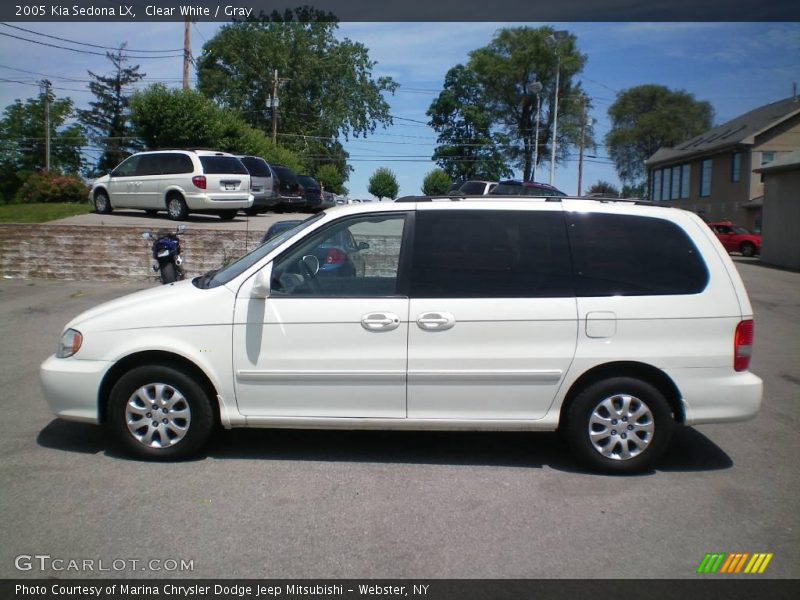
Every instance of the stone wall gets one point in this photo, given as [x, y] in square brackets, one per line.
[85, 252]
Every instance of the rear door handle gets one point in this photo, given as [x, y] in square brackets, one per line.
[435, 321]
[380, 321]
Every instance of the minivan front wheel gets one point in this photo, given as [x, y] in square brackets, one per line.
[102, 205]
[159, 413]
[619, 425]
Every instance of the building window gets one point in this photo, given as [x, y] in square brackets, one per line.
[736, 167]
[685, 169]
[676, 184]
[657, 185]
[705, 178]
[767, 157]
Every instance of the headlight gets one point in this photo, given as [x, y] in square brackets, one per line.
[70, 343]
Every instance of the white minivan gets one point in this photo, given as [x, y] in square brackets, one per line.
[608, 321]
[177, 181]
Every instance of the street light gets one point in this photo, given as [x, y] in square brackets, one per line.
[554, 41]
[535, 87]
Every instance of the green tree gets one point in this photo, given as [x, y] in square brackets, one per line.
[331, 179]
[171, 118]
[603, 188]
[383, 184]
[326, 88]
[22, 139]
[466, 149]
[647, 117]
[108, 118]
[436, 182]
[505, 68]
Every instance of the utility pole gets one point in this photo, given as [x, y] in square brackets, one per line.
[187, 52]
[274, 105]
[583, 137]
[45, 84]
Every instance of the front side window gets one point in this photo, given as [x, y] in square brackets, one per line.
[355, 257]
[490, 254]
[625, 255]
[127, 168]
[150, 164]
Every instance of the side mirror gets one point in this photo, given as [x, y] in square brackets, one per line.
[261, 283]
[363, 246]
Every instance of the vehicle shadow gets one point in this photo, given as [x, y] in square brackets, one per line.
[756, 261]
[689, 451]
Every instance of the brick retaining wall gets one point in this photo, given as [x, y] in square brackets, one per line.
[86, 252]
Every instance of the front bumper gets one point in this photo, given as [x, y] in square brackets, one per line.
[71, 387]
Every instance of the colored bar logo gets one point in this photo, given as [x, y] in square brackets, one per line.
[734, 563]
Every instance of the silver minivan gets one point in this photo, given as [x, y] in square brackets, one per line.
[262, 184]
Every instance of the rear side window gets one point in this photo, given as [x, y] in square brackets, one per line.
[624, 255]
[490, 254]
[257, 166]
[173, 164]
[505, 189]
[222, 165]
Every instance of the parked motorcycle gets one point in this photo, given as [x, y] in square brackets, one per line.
[166, 253]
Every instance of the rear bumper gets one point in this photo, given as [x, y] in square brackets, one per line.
[717, 395]
[263, 200]
[211, 202]
[71, 386]
[291, 202]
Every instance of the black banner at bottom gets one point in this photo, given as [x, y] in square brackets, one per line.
[369, 589]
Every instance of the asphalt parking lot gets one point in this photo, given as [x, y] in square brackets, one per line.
[286, 504]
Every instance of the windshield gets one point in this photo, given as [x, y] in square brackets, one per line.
[228, 272]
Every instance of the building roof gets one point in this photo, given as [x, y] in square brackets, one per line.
[741, 130]
[787, 162]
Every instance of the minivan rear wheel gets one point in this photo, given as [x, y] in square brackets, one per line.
[176, 208]
[619, 425]
[227, 215]
[159, 413]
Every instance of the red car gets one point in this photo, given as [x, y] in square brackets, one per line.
[736, 238]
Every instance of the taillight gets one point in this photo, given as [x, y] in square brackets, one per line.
[743, 345]
[335, 257]
[199, 181]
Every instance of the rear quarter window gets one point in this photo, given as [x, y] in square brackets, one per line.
[222, 165]
[626, 255]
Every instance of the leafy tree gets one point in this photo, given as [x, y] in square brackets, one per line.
[331, 179]
[436, 182]
[505, 68]
[326, 87]
[171, 118]
[383, 184]
[647, 117]
[108, 118]
[22, 139]
[603, 188]
[634, 191]
[467, 148]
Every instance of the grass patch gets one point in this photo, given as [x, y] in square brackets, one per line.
[41, 213]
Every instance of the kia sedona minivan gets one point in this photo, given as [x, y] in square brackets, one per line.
[611, 322]
[177, 181]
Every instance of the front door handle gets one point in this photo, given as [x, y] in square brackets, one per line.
[380, 321]
[435, 321]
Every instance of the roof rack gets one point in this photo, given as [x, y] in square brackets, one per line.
[451, 198]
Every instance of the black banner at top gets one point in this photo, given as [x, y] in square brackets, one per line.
[405, 10]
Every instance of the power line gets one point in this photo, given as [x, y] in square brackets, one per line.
[82, 51]
[55, 37]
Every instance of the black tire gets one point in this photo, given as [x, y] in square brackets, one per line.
[747, 249]
[102, 205]
[644, 438]
[176, 208]
[169, 273]
[251, 212]
[191, 400]
[227, 215]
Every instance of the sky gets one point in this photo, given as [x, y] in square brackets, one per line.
[734, 66]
